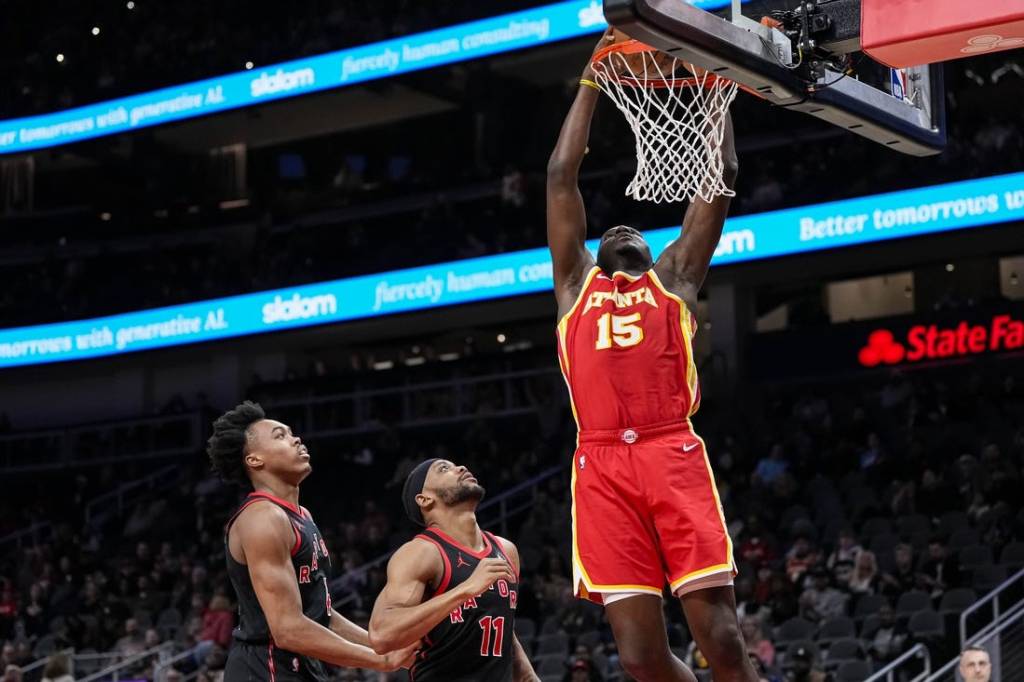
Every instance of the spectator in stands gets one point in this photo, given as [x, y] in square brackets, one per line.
[803, 667]
[782, 601]
[889, 639]
[846, 552]
[8, 607]
[212, 669]
[757, 643]
[151, 639]
[22, 653]
[757, 547]
[799, 559]
[822, 601]
[864, 578]
[940, 572]
[218, 621]
[746, 603]
[12, 674]
[903, 578]
[771, 468]
[872, 455]
[934, 494]
[133, 641]
[975, 665]
[58, 669]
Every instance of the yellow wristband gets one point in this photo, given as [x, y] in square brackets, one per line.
[590, 84]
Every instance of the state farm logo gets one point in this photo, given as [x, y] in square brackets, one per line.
[990, 42]
[881, 348]
[933, 342]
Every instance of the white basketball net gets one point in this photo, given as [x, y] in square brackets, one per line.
[679, 129]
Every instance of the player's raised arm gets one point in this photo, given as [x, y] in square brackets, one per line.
[684, 264]
[266, 536]
[399, 618]
[567, 218]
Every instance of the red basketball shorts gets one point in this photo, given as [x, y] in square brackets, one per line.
[645, 511]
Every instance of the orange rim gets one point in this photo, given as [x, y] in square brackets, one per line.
[636, 47]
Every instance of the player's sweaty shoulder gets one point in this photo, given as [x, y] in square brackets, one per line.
[417, 559]
[260, 523]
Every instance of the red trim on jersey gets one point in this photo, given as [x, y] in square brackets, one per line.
[447, 577]
[458, 545]
[305, 512]
[284, 503]
[298, 540]
[270, 661]
[503, 553]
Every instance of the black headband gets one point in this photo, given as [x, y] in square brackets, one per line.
[413, 487]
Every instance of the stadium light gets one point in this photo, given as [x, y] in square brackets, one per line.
[95, 30]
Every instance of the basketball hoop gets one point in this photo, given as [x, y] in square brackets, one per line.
[677, 113]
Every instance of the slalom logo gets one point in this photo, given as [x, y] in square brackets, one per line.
[735, 242]
[933, 342]
[281, 81]
[299, 308]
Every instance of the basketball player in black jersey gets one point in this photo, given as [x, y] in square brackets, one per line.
[278, 562]
[453, 588]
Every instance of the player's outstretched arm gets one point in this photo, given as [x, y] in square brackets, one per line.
[683, 265]
[346, 629]
[266, 538]
[400, 618]
[567, 217]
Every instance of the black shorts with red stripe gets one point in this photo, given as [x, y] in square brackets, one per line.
[267, 663]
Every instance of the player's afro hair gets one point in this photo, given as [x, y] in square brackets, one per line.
[226, 447]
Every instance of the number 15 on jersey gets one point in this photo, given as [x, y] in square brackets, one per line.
[622, 330]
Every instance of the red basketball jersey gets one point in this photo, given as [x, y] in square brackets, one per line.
[626, 353]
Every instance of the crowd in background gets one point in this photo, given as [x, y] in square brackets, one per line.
[865, 515]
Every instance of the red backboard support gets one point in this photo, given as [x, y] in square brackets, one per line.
[902, 33]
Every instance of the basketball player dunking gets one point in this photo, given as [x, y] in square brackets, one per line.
[645, 506]
[278, 562]
[453, 588]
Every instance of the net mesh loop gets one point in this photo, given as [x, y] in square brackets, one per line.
[678, 121]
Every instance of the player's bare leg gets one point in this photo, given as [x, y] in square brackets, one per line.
[711, 617]
[638, 625]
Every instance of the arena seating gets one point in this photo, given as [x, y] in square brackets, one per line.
[963, 425]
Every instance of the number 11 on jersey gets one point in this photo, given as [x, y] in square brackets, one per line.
[622, 330]
[486, 623]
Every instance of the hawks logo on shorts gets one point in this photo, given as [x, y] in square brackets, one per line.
[645, 506]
